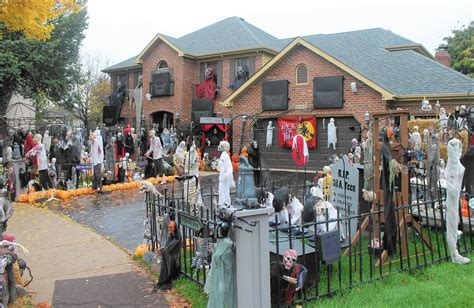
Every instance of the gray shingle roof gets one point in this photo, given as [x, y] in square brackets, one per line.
[124, 64]
[230, 34]
[400, 72]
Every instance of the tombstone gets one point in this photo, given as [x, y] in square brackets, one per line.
[345, 196]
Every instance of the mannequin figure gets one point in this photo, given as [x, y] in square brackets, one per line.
[47, 140]
[292, 278]
[208, 87]
[221, 280]
[97, 159]
[254, 160]
[454, 176]
[157, 149]
[415, 139]
[119, 147]
[332, 133]
[39, 151]
[269, 140]
[169, 268]
[226, 178]
[10, 153]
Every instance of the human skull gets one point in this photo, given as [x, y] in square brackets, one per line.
[289, 258]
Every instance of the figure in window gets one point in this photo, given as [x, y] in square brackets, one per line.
[208, 87]
[241, 77]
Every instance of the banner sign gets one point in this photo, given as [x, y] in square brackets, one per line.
[289, 127]
[83, 167]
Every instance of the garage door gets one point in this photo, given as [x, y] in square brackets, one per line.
[278, 157]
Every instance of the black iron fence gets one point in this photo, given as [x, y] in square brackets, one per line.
[334, 260]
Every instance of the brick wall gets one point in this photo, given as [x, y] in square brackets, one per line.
[356, 104]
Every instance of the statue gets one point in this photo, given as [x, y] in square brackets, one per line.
[415, 139]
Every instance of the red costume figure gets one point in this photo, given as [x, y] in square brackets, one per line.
[127, 130]
[29, 144]
[300, 152]
[207, 88]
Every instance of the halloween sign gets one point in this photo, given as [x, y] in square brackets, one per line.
[289, 127]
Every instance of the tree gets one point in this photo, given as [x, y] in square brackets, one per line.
[88, 96]
[31, 17]
[461, 49]
[36, 68]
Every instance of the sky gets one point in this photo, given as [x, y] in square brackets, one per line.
[120, 29]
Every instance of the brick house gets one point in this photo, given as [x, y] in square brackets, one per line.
[361, 71]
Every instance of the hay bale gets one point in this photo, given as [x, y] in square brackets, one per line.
[422, 124]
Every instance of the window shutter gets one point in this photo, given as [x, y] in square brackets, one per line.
[219, 73]
[202, 71]
[232, 71]
[251, 66]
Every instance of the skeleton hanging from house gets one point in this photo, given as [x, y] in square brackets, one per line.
[332, 134]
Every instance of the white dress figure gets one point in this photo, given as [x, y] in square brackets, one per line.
[269, 134]
[226, 177]
[47, 140]
[332, 136]
[454, 174]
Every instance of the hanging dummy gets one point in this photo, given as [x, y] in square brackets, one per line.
[332, 135]
[226, 177]
[433, 163]
[368, 167]
[110, 159]
[119, 148]
[292, 278]
[299, 150]
[454, 176]
[269, 134]
[170, 264]
[207, 88]
[221, 282]
[136, 96]
[254, 160]
[390, 234]
[47, 140]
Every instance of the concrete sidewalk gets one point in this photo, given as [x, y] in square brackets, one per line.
[75, 267]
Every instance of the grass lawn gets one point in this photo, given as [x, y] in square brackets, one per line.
[440, 285]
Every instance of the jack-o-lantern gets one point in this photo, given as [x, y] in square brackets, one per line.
[23, 198]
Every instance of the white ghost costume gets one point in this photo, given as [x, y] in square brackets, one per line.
[454, 176]
[269, 140]
[443, 118]
[332, 136]
[47, 140]
[226, 177]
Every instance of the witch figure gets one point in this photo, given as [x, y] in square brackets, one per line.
[169, 269]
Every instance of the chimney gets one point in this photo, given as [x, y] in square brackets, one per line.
[442, 55]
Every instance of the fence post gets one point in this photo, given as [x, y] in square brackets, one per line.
[253, 257]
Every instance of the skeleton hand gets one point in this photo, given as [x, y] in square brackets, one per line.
[290, 279]
[399, 168]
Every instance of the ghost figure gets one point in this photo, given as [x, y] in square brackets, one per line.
[460, 119]
[269, 134]
[47, 140]
[226, 177]
[425, 105]
[332, 136]
[454, 176]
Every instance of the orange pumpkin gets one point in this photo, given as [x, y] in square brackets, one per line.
[171, 178]
[140, 250]
[23, 198]
[235, 158]
[31, 197]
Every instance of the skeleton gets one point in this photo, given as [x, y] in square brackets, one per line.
[192, 189]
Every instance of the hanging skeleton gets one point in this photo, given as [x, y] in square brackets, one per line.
[368, 191]
[433, 163]
[332, 135]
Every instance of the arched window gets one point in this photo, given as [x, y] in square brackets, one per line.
[162, 66]
[301, 74]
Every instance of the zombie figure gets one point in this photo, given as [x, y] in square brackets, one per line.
[254, 161]
[292, 276]
[240, 79]
[208, 87]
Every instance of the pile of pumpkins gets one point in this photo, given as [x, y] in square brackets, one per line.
[32, 196]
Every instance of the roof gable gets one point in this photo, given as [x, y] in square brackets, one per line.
[122, 65]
